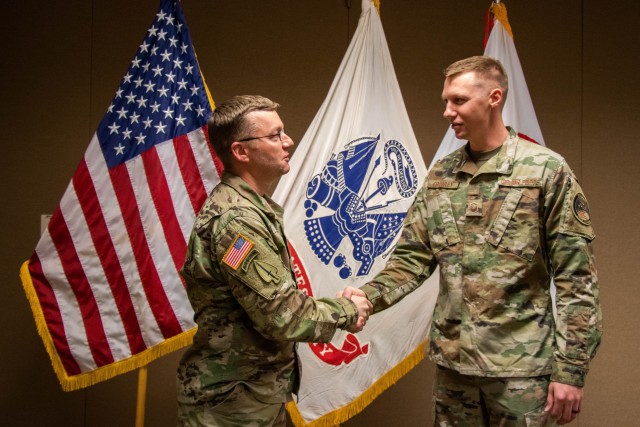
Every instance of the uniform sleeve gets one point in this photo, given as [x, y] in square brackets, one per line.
[250, 261]
[569, 244]
[410, 264]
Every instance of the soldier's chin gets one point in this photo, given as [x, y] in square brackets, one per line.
[457, 130]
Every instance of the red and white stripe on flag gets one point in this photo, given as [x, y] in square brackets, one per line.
[104, 282]
[353, 178]
[518, 111]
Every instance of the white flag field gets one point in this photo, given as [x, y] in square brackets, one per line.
[353, 177]
[518, 109]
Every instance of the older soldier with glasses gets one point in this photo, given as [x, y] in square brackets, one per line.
[242, 367]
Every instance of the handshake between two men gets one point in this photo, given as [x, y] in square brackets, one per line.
[365, 308]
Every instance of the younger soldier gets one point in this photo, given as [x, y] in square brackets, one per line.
[242, 367]
[501, 217]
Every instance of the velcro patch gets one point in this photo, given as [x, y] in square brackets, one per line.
[581, 209]
[238, 251]
[520, 182]
[474, 206]
[267, 272]
[443, 184]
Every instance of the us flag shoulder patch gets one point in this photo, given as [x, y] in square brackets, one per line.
[237, 252]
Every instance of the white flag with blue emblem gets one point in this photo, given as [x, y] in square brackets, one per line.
[518, 109]
[353, 177]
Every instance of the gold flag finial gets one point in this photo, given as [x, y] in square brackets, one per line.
[499, 10]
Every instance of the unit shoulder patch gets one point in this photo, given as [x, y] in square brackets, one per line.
[267, 272]
[580, 209]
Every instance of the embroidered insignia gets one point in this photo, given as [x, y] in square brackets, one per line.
[237, 252]
[443, 184]
[581, 209]
[524, 182]
[247, 261]
[474, 206]
[267, 272]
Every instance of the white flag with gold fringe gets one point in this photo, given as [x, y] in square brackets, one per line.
[353, 177]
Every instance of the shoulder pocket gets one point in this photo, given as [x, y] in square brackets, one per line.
[252, 261]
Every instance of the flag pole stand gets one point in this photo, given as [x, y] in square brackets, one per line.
[142, 395]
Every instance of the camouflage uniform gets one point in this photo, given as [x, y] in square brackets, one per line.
[249, 312]
[499, 234]
[473, 401]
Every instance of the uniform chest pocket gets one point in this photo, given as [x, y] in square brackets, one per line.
[441, 222]
[515, 228]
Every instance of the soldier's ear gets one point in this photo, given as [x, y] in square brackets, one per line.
[239, 152]
[495, 97]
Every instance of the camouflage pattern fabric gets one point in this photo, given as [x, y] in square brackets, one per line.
[470, 401]
[499, 234]
[248, 309]
[238, 401]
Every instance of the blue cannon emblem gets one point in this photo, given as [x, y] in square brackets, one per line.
[352, 198]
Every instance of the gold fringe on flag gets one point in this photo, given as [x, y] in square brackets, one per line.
[76, 382]
[357, 405]
[499, 10]
[204, 82]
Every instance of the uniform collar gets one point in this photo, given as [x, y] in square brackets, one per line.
[501, 163]
[264, 203]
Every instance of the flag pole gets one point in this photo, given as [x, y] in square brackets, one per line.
[142, 395]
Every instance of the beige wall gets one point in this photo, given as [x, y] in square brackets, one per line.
[62, 64]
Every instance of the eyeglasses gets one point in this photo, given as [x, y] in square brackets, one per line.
[280, 134]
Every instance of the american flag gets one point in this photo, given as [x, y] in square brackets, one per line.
[237, 252]
[103, 281]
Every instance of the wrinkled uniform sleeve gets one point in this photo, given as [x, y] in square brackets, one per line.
[410, 264]
[569, 236]
[264, 286]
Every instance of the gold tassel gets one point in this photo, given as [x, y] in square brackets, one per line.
[206, 87]
[499, 10]
[376, 3]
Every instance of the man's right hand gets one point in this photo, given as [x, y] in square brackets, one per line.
[365, 307]
[349, 291]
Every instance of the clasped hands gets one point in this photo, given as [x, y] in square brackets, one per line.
[365, 308]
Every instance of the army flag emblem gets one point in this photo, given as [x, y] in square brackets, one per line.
[353, 178]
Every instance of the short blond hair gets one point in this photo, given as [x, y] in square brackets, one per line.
[485, 67]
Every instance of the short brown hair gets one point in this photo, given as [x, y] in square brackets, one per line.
[228, 124]
[484, 66]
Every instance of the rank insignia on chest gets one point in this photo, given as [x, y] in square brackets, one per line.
[237, 252]
[474, 206]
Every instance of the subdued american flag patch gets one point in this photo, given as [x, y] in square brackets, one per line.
[237, 252]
